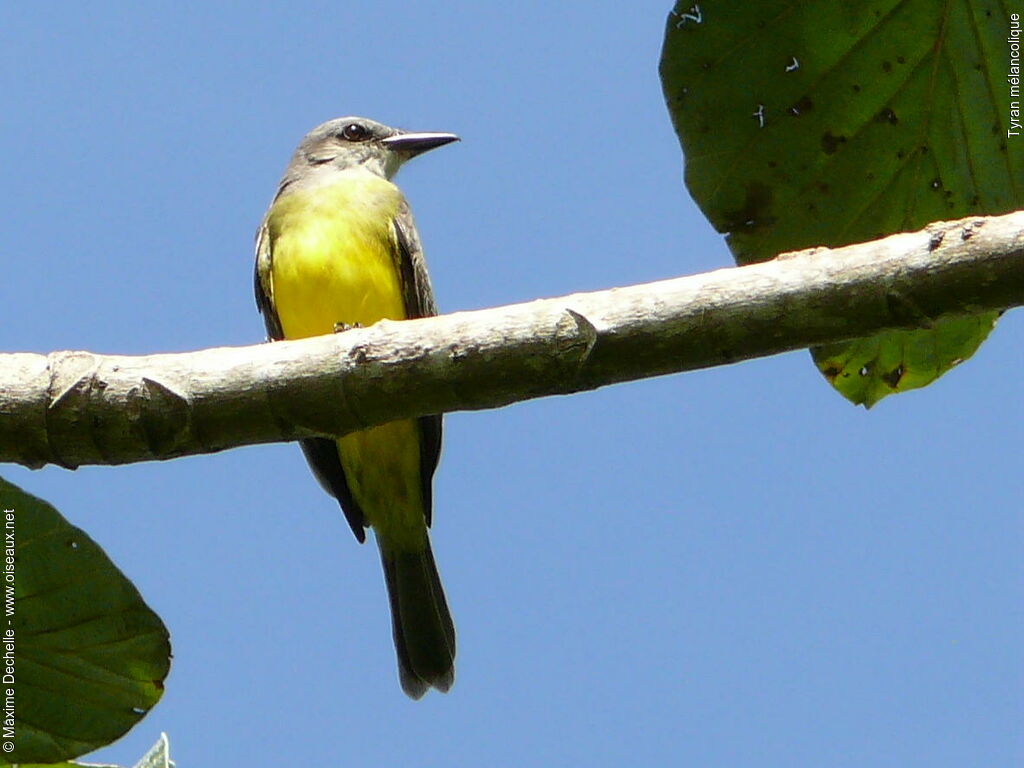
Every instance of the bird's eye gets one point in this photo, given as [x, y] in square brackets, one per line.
[354, 132]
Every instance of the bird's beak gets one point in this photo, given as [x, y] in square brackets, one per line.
[412, 144]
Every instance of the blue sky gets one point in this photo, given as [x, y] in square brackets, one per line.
[726, 568]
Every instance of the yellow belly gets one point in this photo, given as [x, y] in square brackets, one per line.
[335, 261]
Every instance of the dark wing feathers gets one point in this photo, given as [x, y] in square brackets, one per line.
[419, 302]
[419, 295]
[261, 281]
[322, 455]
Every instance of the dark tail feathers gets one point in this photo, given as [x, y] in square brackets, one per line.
[422, 626]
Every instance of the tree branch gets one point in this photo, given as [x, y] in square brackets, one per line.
[74, 408]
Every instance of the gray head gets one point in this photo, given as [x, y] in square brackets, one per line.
[348, 142]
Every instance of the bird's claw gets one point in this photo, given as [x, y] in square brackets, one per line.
[342, 327]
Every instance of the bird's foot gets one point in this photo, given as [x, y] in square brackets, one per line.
[342, 327]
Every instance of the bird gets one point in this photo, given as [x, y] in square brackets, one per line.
[338, 248]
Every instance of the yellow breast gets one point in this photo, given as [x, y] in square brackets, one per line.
[335, 256]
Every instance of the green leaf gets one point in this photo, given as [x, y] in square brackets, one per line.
[157, 756]
[829, 122]
[89, 655]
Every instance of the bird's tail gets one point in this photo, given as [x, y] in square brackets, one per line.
[422, 626]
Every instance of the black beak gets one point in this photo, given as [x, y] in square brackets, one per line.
[412, 144]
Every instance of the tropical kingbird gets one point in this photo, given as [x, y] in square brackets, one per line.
[338, 248]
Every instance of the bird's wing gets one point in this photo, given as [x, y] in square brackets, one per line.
[263, 286]
[419, 302]
[321, 452]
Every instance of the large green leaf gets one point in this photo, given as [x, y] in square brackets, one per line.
[90, 656]
[157, 756]
[830, 122]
